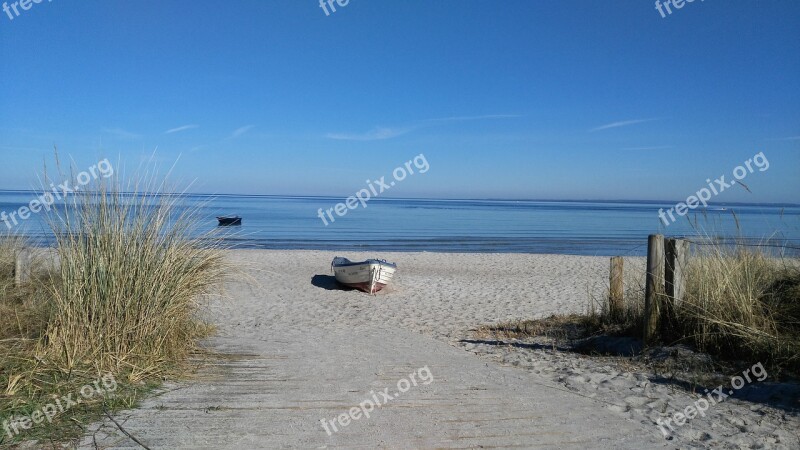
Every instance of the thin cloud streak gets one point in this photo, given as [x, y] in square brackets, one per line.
[197, 148]
[484, 117]
[376, 134]
[183, 128]
[240, 131]
[623, 123]
[382, 133]
[657, 147]
[790, 138]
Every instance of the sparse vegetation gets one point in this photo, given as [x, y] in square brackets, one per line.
[118, 294]
[559, 328]
[742, 303]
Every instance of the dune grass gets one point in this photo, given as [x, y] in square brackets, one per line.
[742, 304]
[118, 294]
[130, 279]
[22, 312]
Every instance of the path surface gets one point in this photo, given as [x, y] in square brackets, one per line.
[307, 352]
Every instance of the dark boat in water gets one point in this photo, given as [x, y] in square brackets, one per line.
[229, 221]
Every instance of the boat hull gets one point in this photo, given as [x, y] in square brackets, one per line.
[229, 221]
[370, 276]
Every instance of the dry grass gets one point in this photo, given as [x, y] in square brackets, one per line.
[130, 282]
[24, 312]
[558, 328]
[120, 296]
[741, 303]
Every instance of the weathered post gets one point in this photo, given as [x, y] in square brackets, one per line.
[21, 269]
[616, 290]
[654, 287]
[677, 252]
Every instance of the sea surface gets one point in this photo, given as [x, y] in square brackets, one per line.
[516, 226]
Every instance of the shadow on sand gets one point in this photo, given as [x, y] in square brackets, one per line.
[328, 283]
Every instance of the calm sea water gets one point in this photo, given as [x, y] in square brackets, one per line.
[574, 227]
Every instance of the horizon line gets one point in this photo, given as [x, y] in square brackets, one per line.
[489, 199]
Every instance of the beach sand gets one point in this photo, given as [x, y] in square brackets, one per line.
[301, 350]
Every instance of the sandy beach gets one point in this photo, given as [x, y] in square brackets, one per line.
[580, 222]
[301, 350]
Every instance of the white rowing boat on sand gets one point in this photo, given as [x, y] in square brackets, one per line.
[369, 276]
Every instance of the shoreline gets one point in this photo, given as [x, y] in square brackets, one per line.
[238, 245]
[636, 248]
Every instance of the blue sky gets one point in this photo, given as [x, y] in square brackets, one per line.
[568, 99]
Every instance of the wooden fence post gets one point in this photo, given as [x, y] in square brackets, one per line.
[654, 287]
[677, 252]
[21, 267]
[616, 290]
